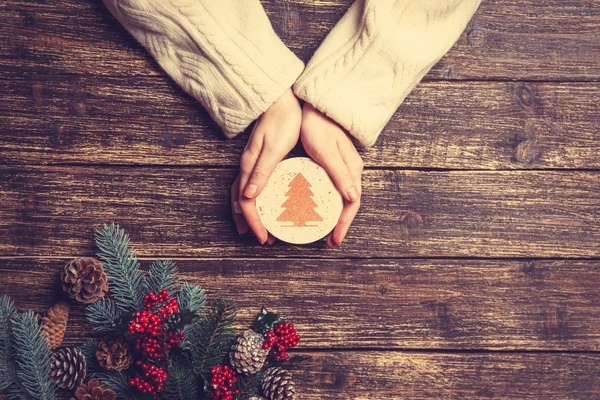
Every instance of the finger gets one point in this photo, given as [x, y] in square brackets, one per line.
[238, 217]
[271, 239]
[263, 168]
[253, 219]
[248, 206]
[350, 210]
[339, 172]
[341, 229]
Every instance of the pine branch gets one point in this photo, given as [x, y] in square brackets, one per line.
[180, 385]
[32, 356]
[191, 297]
[119, 382]
[163, 276]
[103, 314]
[212, 335]
[7, 373]
[14, 392]
[248, 386]
[89, 351]
[119, 259]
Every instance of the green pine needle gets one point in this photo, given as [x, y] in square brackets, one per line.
[32, 356]
[7, 373]
[191, 297]
[103, 314]
[119, 382]
[212, 335]
[163, 276]
[89, 351]
[119, 259]
[249, 385]
[181, 384]
[14, 392]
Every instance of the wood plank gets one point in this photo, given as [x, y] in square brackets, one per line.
[376, 304]
[148, 120]
[395, 375]
[186, 212]
[507, 39]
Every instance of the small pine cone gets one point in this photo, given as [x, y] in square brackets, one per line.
[247, 355]
[278, 384]
[94, 390]
[113, 354]
[68, 367]
[84, 280]
[55, 324]
[257, 398]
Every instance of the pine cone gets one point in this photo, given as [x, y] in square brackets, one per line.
[94, 390]
[113, 354]
[55, 324]
[84, 280]
[257, 398]
[68, 367]
[278, 384]
[247, 355]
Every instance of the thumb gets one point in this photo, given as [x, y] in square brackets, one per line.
[264, 167]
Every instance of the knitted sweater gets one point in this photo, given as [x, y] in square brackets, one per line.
[226, 54]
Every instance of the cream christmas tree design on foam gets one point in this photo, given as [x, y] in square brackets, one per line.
[299, 207]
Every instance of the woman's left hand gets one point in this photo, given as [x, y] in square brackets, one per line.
[275, 134]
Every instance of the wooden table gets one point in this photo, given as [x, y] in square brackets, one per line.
[473, 269]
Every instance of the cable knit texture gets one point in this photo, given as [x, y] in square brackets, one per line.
[224, 53]
[374, 57]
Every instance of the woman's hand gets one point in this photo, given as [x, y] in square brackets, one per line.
[328, 144]
[274, 135]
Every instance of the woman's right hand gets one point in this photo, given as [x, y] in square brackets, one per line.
[274, 135]
[330, 146]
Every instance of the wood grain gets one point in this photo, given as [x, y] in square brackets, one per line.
[148, 120]
[185, 212]
[414, 375]
[507, 39]
[377, 304]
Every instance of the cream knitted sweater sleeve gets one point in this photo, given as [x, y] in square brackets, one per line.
[224, 53]
[376, 55]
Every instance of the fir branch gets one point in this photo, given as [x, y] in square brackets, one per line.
[32, 356]
[248, 386]
[7, 373]
[181, 384]
[119, 259]
[119, 382]
[89, 351]
[191, 297]
[14, 392]
[103, 314]
[163, 276]
[212, 335]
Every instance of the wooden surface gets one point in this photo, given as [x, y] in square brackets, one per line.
[473, 268]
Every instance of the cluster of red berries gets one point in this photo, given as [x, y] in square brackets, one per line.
[151, 299]
[153, 380]
[146, 322]
[169, 309]
[222, 381]
[150, 347]
[280, 340]
[174, 339]
[153, 339]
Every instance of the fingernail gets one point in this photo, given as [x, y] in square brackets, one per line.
[352, 194]
[250, 191]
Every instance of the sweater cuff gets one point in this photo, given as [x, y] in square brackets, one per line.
[224, 53]
[375, 56]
